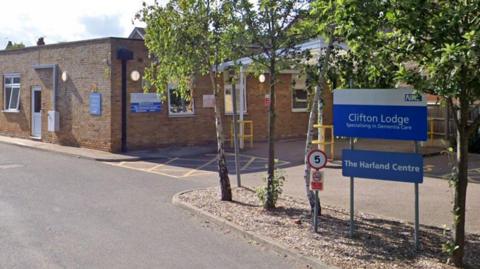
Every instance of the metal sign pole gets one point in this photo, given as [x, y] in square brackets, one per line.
[235, 134]
[315, 213]
[417, 210]
[352, 198]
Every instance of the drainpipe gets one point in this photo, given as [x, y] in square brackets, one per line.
[242, 104]
[53, 115]
[124, 55]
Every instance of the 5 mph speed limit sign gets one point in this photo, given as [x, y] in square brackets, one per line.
[317, 159]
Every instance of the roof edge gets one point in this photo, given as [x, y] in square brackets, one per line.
[78, 42]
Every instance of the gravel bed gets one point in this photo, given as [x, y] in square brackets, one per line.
[379, 242]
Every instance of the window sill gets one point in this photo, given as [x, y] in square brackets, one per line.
[231, 114]
[299, 110]
[11, 111]
[180, 115]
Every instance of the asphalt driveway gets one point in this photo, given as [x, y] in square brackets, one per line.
[64, 212]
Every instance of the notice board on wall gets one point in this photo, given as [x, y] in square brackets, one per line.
[95, 101]
[145, 102]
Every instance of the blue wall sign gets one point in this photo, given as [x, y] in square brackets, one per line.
[95, 103]
[145, 102]
[387, 114]
[393, 166]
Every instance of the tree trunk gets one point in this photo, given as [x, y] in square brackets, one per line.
[316, 108]
[460, 186]
[269, 203]
[308, 147]
[225, 188]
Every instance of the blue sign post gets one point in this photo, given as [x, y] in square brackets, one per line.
[399, 114]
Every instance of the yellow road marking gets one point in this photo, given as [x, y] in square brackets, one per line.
[199, 173]
[428, 168]
[142, 170]
[199, 167]
[252, 159]
[160, 165]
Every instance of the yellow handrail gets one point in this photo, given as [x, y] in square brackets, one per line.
[431, 131]
[243, 136]
[324, 143]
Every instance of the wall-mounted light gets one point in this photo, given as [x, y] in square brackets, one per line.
[64, 76]
[261, 78]
[135, 75]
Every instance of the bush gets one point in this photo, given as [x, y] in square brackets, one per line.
[278, 180]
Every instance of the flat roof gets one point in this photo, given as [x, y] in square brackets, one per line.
[61, 44]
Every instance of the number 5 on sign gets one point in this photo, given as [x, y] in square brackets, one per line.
[317, 159]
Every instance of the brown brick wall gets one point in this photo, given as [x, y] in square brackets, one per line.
[150, 130]
[95, 62]
[289, 124]
[86, 63]
[157, 129]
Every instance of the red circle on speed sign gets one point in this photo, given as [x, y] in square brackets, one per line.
[317, 159]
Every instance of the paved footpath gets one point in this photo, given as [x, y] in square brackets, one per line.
[59, 211]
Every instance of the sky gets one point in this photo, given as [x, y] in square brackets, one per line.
[66, 20]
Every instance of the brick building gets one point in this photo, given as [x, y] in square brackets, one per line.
[71, 94]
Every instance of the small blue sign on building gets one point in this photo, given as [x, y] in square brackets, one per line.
[392, 166]
[95, 103]
[387, 114]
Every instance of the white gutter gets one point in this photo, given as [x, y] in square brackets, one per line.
[315, 44]
[54, 80]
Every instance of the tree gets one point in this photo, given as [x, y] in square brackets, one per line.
[444, 49]
[186, 39]
[268, 26]
[335, 65]
[12, 45]
[434, 47]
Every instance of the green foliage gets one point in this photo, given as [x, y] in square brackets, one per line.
[187, 38]
[354, 23]
[432, 46]
[449, 247]
[277, 188]
[269, 33]
[11, 46]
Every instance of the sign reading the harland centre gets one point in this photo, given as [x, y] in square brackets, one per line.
[377, 113]
[393, 166]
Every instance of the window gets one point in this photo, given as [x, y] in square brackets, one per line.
[299, 94]
[229, 99]
[11, 92]
[178, 105]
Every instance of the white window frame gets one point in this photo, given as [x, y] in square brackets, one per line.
[237, 88]
[294, 88]
[179, 114]
[6, 106]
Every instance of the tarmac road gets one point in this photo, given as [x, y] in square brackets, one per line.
[58, 211]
